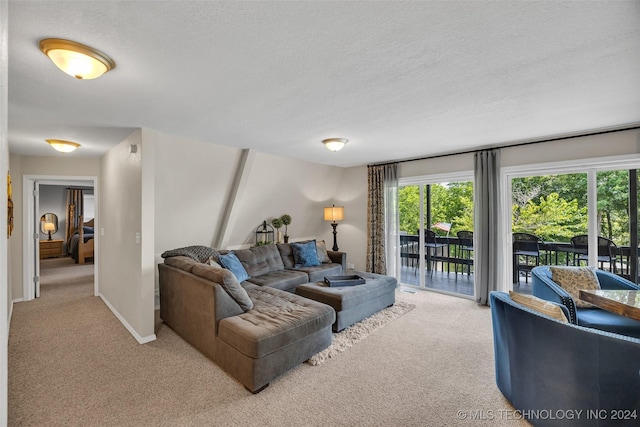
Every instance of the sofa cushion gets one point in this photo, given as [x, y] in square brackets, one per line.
[232, 262]
[539, 305]
[182, 262]
[277, 320]
[228, 281]
[608, 321]
[321, 248]
[285, 280]
[319, 272]
[572, 279]
[305, 254]
[286, 254]
[260, 260]
[197, 252]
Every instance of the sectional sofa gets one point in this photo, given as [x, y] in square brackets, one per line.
[256, 330]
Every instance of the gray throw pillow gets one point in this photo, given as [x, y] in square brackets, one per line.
[321, 248]
[228, 281]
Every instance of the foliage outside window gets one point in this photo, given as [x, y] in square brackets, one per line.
[554, 207]
[450, 202]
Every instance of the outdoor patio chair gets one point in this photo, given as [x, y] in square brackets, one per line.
[410, 250]
[526, 254]
[607, 251]
[465, 249]
[432, 246]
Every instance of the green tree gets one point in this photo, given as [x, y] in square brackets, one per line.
[551, 218]
[409, 208]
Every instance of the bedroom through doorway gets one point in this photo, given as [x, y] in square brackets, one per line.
[66, 250]
[60, 250]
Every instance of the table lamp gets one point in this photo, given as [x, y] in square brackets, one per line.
[334, 214]
[49, 227]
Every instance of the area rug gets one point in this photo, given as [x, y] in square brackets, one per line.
[355, 333]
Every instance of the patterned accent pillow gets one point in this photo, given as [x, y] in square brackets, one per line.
[197, 252]
[572, 279]
[541, 306]
[305, 254]
[321, 249]
[231, 262]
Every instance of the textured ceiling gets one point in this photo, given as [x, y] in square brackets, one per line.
[398, 79]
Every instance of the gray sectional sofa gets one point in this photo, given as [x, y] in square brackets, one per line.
[255, 330]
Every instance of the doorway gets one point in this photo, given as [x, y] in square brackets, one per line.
[45, 192]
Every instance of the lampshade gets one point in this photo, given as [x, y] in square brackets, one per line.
[62, 145]
[335, 144]
[77, 60]
[334, 213]
[49, 226]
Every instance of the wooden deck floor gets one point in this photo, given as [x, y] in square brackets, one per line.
[449, 282]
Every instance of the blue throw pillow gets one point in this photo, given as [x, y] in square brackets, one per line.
[305, 254]
[231, 262]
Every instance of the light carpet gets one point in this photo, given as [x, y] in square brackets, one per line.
[72, 363]
[350, 336]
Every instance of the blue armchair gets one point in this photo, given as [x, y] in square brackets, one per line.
[545, 288]
[544, 366]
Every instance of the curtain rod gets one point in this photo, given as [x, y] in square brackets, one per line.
[518, 144]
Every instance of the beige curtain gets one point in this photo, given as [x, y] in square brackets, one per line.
[382, 219]
[75, 210]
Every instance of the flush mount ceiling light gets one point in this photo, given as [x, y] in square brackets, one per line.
[335, 144]
[62, 145]
[77, 60]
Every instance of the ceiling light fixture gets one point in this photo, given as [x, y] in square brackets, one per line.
[335, 144]
[62, 145]
[77, 60]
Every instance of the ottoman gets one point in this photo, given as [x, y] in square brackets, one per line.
[353, 303]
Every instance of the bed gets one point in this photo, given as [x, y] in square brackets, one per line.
[81, 242]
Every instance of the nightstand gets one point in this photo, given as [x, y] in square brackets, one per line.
[50, 248]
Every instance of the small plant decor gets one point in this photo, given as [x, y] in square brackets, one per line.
[286, 220]
[277, 224]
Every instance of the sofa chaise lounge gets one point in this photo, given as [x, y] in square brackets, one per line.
[256, 330]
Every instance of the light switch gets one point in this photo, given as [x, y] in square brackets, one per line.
[137, 238]
[102, 231]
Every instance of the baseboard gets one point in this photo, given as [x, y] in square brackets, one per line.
[141, 340]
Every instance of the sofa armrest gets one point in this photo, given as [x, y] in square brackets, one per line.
[613, 281]
[339, 258]
[545, 288]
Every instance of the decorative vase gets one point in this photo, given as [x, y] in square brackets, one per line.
[286, 238]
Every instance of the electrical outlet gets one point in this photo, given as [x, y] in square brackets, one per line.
[350, 266]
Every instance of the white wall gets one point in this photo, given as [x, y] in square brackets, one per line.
[194, 189]
[122, 277]
[39, 166]
[351, 192]
[5, 288]
[586, 147]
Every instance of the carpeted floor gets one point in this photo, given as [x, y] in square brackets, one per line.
[71, 363]
[352, 335]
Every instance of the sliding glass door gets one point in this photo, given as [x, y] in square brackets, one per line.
[432, 213]
[580, 216]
